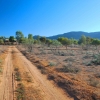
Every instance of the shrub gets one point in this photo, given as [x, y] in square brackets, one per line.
[43, 71]
[52, 64]
[72, 54]
[97, 75]
[61, 54]
[18, 78]
[49, 52]
[88, 63]
[69, 59]
[29, 79]
[94, 82]
[17, 75]
[69, 68]
[16, 69]
[43, 52]
[52, 76]
[20, 92]
[40, 67]
[96, 59]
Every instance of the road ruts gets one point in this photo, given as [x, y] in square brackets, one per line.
[6, 90]
[46, 88]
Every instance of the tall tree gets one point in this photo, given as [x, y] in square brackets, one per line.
[19, 36]
[48, 42]
[30, 36]
[43, 39]
[1, 41]
[11, 38]
[95, 42]
[64, 41]
[82, 40]
[56, 43]
[88, 40]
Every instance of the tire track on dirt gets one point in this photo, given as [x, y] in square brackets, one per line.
[6, 90]
[49, 91]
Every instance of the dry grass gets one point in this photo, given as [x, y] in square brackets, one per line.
[69, 62]
[25, 89]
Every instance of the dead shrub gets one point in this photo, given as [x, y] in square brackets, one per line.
[97, 75]
[69, 59]
[69, 68]
[44, 71]
[52, 76]
[94, 82]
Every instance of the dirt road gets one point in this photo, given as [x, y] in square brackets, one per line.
[6, 86]
[48, 90]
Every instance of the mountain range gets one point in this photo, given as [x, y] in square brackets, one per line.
[75, 35]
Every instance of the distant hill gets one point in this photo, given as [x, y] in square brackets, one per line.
[75, 35]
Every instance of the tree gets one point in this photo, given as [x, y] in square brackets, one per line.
[95, 42]
[38, 39]
[35, 41]
[56, 43]
[2, 37]
[30, 39]
[88, 40]
[48, 42]
[75, 42]
[19, 36]
[30, 36]
[11, 38]
[64, 41]
[82, 40]
[1, 41]
[28, 42]
[43, 39]
[22, 40]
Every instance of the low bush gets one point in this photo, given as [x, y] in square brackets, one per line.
[29, 79]
[51, 76]
[69, 59]
[16, 69]
[94, 82]
[40, 67]
[20, 92]
[96, 59]
[17, 74]
[97, 75]
[69, 68]
[88, 63]
[61, 54]
[43, 71]
[52, 64]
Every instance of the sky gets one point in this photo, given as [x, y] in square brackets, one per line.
[48, 17]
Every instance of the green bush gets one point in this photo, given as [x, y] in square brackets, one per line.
[52, 64]
[96, 59]
[20, 92]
